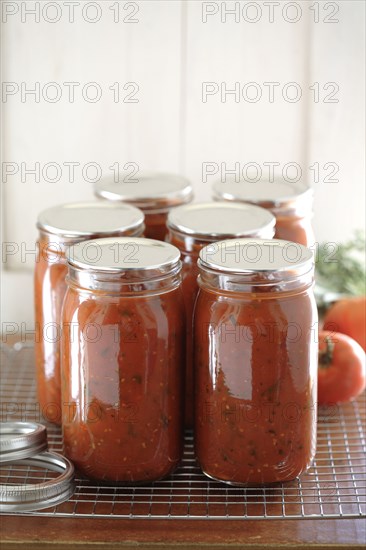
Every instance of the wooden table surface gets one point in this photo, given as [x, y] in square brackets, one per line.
[60, 533]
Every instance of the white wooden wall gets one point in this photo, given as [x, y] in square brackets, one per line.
[171, 49]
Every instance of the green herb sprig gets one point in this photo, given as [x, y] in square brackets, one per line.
[340, 269]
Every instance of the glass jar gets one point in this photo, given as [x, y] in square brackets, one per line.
[290, 203]
[255, 330]
[154, 193]
[59, 227]
[191, 228]
[123, 359]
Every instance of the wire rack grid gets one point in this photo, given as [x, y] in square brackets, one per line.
[334, 487]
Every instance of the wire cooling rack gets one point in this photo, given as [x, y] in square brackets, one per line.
[334, 487]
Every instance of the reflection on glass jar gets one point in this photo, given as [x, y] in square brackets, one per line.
[290, 203]
[191, 228]
[153, 192]
[123, 359]
[59, 227]
[255, 330]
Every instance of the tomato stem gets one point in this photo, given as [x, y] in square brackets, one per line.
[326, 356]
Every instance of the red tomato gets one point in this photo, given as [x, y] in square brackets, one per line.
[341, 375]
[349, 317]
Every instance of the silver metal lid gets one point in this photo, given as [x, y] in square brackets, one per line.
[20, 440]
[220, 219]
[88, 219]
[272, 193]
[255, 255]
[123, 254]
[152, 190]
[29, 497]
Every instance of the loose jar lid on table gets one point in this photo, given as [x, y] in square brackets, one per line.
[29, 497]
[208, 221]
[90, 219]
[152, 191]
[19, 440]
[273, 195]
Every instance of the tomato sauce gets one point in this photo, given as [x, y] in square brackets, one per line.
[256, 369]
[49, 289]
[190, 290]
[59, 227]
[296, 229]
[191, 228]
[155, 225]
[122, 374]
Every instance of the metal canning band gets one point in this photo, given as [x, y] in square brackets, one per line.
[30, 497]
[19, 440]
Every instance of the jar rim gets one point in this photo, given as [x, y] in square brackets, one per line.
[31, 497]
[21, 440]
[234, 256]
[124, 254]
[219, 220]
[87, 219]
[278, 193]
[152, 190]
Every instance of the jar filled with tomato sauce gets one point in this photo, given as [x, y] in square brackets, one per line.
[290, 203]
[59, 227]
[123, 359]
[154, 193]
[255, 329]
[192, 227]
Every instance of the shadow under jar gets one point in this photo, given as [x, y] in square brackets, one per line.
[59, 227]
[191, 228]
[154, 193]
[123, 360]
[255, 330]
[290, 203]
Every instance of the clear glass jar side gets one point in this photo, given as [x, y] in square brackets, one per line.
[49, 291]
[122, 383]
[190, 247]
[50, 273]
[256, 374]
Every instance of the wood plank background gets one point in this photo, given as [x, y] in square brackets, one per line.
[166, 56]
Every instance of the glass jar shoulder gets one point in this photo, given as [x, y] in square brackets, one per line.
[109, 310]
[276, 332]
[218, 304]
[255, 386]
